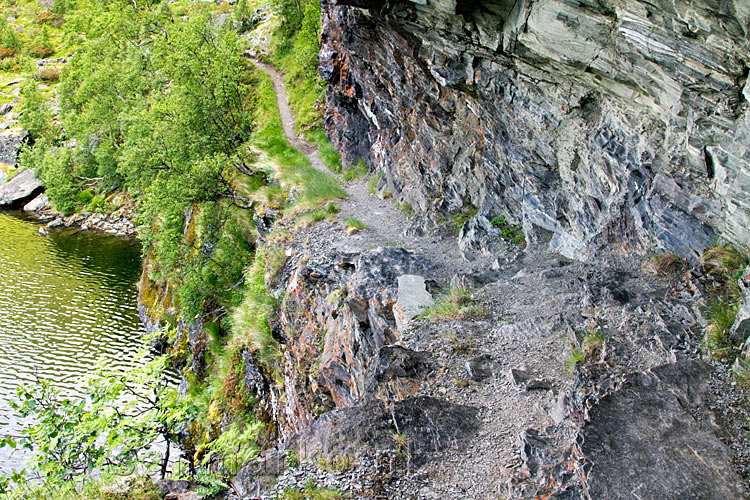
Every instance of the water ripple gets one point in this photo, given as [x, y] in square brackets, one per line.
[66, 301]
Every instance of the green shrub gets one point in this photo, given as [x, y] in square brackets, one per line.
[513, 233]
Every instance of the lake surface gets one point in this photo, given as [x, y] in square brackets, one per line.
[66, 301]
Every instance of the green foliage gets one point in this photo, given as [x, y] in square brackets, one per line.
[332, 208]
[242, 14]
[510, 232]
[312, 491]
[741, 372]
[718, 340]
[373, 181]
[401, 443]
[250, 318]
[112, 429]
[8, 37]
[294, 167]
[357, 171]
[586, 347]
[455, 303]
[338, 463]
[459, 218]
[235, 447]
[575, 356]
[292, 459]
[327, 153]
[209, 483]
[296, 42]
[405, 208]
[36, 116]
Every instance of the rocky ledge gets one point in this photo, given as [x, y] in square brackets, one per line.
[493, 400]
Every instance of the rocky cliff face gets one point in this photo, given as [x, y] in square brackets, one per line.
[594, 123]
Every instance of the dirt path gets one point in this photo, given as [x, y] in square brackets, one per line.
[387, 226]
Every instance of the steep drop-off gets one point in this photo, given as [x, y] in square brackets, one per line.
[594, 123]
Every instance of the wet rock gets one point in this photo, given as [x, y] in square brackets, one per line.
[19, 190]
[413, 298]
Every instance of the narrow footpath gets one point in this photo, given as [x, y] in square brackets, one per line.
[387, 226]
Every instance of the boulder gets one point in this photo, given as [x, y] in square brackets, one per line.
[644, 438]
[413, 298]
[39, 203]
[19, 190]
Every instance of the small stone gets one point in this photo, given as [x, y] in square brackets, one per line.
[352, 230]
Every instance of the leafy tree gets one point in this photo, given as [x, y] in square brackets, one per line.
[114, 427]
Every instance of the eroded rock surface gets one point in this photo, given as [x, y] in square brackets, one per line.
[622, 123]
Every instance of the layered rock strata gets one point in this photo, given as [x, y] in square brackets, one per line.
[617, 123]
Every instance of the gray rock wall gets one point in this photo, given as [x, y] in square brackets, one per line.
[594, 123]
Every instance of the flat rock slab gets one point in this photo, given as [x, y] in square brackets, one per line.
[413, 298]
[643, 442]
[19, 190]
[41, 202]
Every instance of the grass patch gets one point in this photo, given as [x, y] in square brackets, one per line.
[327, 153]
[405, 208]
[401, 443]
[588, 349]
[293, 167]
[355, 223]
[576, 356]
[455, 303]
[459, 219]
[669, 264]
[312, 491]
[338, 463]
[724, 264]
[356, 172]
[718, 341]
[373, 181]
[250, 318]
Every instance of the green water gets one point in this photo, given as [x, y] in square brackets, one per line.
[66, 301]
